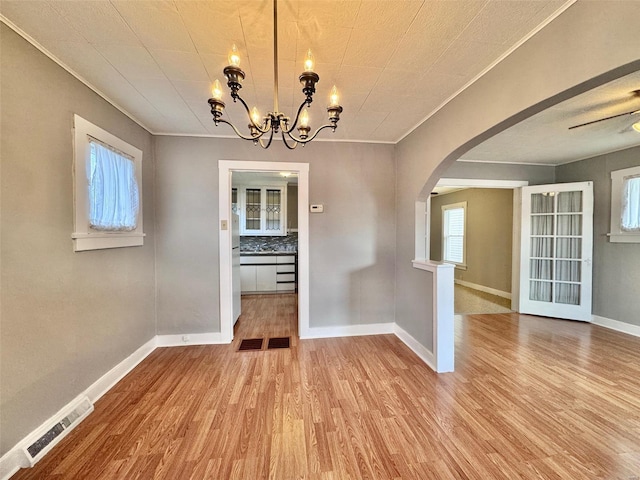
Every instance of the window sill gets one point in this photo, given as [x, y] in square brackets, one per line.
[99, 241]
[624, 237]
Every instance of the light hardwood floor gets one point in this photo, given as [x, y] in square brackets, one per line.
[531, 398]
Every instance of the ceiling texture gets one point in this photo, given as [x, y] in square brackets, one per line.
[394, 62]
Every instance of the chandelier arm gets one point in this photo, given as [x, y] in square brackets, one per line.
[244, 137]
[264, 129]
[262, 144]
[307, 140]
[286, 144]
[297, 117]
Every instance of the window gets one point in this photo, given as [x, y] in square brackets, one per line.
[107, 182]
[625, 206]
[453, 233]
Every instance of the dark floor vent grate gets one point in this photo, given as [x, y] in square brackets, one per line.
[278, 342]
[251, 344]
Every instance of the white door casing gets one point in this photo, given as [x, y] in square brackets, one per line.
[225, 167]
[556, 250]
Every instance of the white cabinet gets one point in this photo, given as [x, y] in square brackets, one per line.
[262, 209]
[268, 273]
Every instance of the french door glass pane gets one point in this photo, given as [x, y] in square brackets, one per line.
[541, 269]
[568, 248]
[568, 293]
[570, 202]
[540, 291]
[542, 203]
[568, 270]
[273, 207]
[570, 224]
[542, 247]
[542, 225]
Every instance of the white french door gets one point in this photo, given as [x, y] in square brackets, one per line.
[556, 250]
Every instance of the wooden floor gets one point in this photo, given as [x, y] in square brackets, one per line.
[530, 398]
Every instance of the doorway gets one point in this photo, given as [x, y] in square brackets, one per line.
[226, 167]
[487, 212]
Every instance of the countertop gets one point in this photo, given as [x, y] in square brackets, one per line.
[269, 252]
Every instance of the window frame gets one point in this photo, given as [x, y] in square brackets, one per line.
[455, 206]
[616, 234]
[84, 237]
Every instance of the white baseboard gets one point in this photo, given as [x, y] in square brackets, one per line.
[182, 340]
[15, 458]
[425, 355]
[113, 376]
[484, 289]
[348, 330]
[616, 325]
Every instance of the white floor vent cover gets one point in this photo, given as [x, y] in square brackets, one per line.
[65, 422]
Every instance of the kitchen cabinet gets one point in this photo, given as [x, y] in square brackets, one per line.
[268, 273]
[262, 209]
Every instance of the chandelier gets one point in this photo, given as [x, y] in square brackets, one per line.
[275, 121]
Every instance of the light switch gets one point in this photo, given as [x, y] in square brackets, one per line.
[316, 208]
[223, 225]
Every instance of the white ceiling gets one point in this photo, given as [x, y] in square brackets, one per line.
[394, 62]
[545, 138]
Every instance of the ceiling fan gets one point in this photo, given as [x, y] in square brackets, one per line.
[636, 126]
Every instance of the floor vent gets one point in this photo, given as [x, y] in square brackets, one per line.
[251, 344]
[278, 342]
[46, 440]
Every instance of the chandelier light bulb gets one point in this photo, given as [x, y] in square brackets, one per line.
[216, 90]
[334, 97]
[234, 56]
[308, 62]
[255, 116]
[304, 119]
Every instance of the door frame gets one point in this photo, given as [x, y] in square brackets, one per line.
[225, 167]
[514, 185]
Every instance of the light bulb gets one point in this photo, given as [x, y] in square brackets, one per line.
[308, 62]
[304, 119]
[216, 90]
[636, 127]
[255, 116]
[234, 56]
[334, 97]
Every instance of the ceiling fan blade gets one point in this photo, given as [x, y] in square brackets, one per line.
[633, 112]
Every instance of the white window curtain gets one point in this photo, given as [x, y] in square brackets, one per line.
[113, 190]
[630, 221]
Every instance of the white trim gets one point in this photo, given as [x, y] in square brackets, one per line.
[549, 19]
[16, 458]
[508, 162]
[616, 325]
[481, 183]
[442, 313]
[113, 376]
[423, 352]
[348, 330]
[484, 289]
[181, 340]
[225, 167]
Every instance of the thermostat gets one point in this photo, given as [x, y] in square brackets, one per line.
[316, 208]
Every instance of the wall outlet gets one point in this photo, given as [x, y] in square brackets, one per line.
[185, 338]
[223, 225]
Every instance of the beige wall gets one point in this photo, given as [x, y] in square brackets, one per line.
[587, 45]
[66, 318]
[292, 206]
[352, 244]
[488, 235]
[616, 266]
